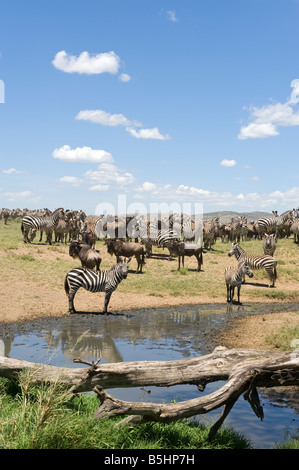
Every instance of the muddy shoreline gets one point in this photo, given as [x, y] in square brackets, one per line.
[244, 326]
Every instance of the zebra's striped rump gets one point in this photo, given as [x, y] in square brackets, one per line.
[99, 281]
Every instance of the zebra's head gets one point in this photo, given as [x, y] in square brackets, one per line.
[246, 269]
[233, 249]
[123, 267]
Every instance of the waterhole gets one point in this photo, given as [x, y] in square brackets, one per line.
[154, 334]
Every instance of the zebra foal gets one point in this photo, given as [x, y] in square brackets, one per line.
[233, 278]
[255, 262]
[99, 281]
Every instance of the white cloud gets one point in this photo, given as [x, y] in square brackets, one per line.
[82, 154]
[99, 116]
[171, 16]
[124, 77]
[148, 134]
[20, 196]
[73, 180]
[13, 171]
[147, 187]
[257, 131]
[266, 119]
[295, 92]
[100, 187]
[87, 64]
[108, 173]
[228, 163]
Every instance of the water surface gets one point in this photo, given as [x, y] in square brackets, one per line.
[152, 334]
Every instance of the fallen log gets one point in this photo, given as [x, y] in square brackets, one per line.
[243, 370]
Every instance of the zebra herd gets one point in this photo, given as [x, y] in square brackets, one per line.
[164, 232]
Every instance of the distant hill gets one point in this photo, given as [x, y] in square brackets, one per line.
[226, 216]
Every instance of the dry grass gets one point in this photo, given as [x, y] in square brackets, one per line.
[33, 275]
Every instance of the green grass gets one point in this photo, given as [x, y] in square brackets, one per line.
[48, 264]
[46, 417]
[285, 338]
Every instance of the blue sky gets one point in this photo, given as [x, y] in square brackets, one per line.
[174, 102]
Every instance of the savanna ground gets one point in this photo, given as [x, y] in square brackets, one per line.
[33, 278]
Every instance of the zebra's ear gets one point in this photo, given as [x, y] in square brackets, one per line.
[128, 260]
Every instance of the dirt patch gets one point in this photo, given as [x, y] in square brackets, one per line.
[251, 331]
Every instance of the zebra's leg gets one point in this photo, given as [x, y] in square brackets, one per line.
[41, 236]
[239, 288]
[272, 276]
[26, 239]
[107, 298]
[227, 293]
[71, 301]
[232, 293]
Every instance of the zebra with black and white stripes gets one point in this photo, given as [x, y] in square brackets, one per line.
[46, 223]
[99, 281]
[151, 236]
[272, 224]
[255, 262]
[233, 278]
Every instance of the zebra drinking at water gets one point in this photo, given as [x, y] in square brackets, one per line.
[100, 281]
[233, 278]
[255, 262]
[41, 223]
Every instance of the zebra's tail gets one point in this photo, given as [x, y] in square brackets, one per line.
[22, 227]
[66, 285]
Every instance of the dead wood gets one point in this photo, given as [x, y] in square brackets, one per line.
[243, 370]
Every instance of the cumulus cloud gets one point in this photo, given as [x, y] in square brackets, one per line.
[87, 64]
[265, 120]
[148, 134]
[99, 116]
[108, 173]
[147, 187]
[228, 163]
[20, 196]
[124, 77]
[73, 180]
[13, 171]
[100, 187]
[82, 154]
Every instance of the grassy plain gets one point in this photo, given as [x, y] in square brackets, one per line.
[33, 276]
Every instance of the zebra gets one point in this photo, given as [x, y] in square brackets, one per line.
[255, 262]
[233, 278]
[46, 223]
[269, 245]
[99, 281]
[295, 226]
[151, 235]
[272, 224]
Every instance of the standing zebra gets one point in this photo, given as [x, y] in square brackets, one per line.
[100, 281]
[255, 262]
[46, 223]
[272, 224]
[233, 278]
[151, 235]
[269, 245]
